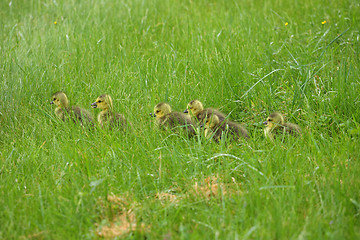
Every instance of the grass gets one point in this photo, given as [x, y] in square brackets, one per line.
[59, 181]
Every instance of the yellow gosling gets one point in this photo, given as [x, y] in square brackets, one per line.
[167, 119]
[216, 128]
[196, 110]
[107, 117]
[275, 125]
[64, 112]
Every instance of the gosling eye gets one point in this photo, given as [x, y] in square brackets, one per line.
[269, 120]
[54, 99]
[157, 111]
[99, 101]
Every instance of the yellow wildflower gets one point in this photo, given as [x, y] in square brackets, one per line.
[286, 23]
[323, 22]
[55, 22]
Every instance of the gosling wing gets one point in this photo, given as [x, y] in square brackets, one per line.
[175, 119]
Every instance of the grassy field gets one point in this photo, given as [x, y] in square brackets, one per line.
[246, 58]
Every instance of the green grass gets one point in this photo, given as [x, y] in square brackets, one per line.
[237, 56]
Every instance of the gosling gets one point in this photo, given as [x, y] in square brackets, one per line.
[196, 109]
[216, 128]
[64, 112]
[107, 117]
[166, 119]
[275, 125]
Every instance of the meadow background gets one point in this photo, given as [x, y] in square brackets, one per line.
[246, 58]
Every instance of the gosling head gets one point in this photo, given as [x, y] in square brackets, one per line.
[60, 100]
[194, 108]
[212, 122]
[104, 102]
[274, 120]
[161, 110]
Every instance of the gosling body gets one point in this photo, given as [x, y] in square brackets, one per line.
[107, 117]
[64, 112]
[167, 119]
[216, 128]
[276, 125]
[196, 109]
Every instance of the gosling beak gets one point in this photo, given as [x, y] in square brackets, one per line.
[94, 105]
[265, 123]
[202, 125]
[152, 115]
[186, 111]
[52, 102]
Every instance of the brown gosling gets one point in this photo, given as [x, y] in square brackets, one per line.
[166, 119]
[64, 112]
[196, 109]
[107, 117]
[275, 125]
[213, 126]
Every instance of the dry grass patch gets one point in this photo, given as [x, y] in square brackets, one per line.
[121, 225]
[167, 197]
[214, 186]
[117, 217]
[38, 235]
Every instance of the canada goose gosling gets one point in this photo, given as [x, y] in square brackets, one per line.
[103, 102]
[275, 124]
[196, 110]
[62, 104]
[63, 111]
[215, 127]
[107, 116]
[160, 110]
[166, 118]
[210, 125]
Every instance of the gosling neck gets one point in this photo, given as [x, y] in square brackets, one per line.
[64, 104]
[106, 109]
